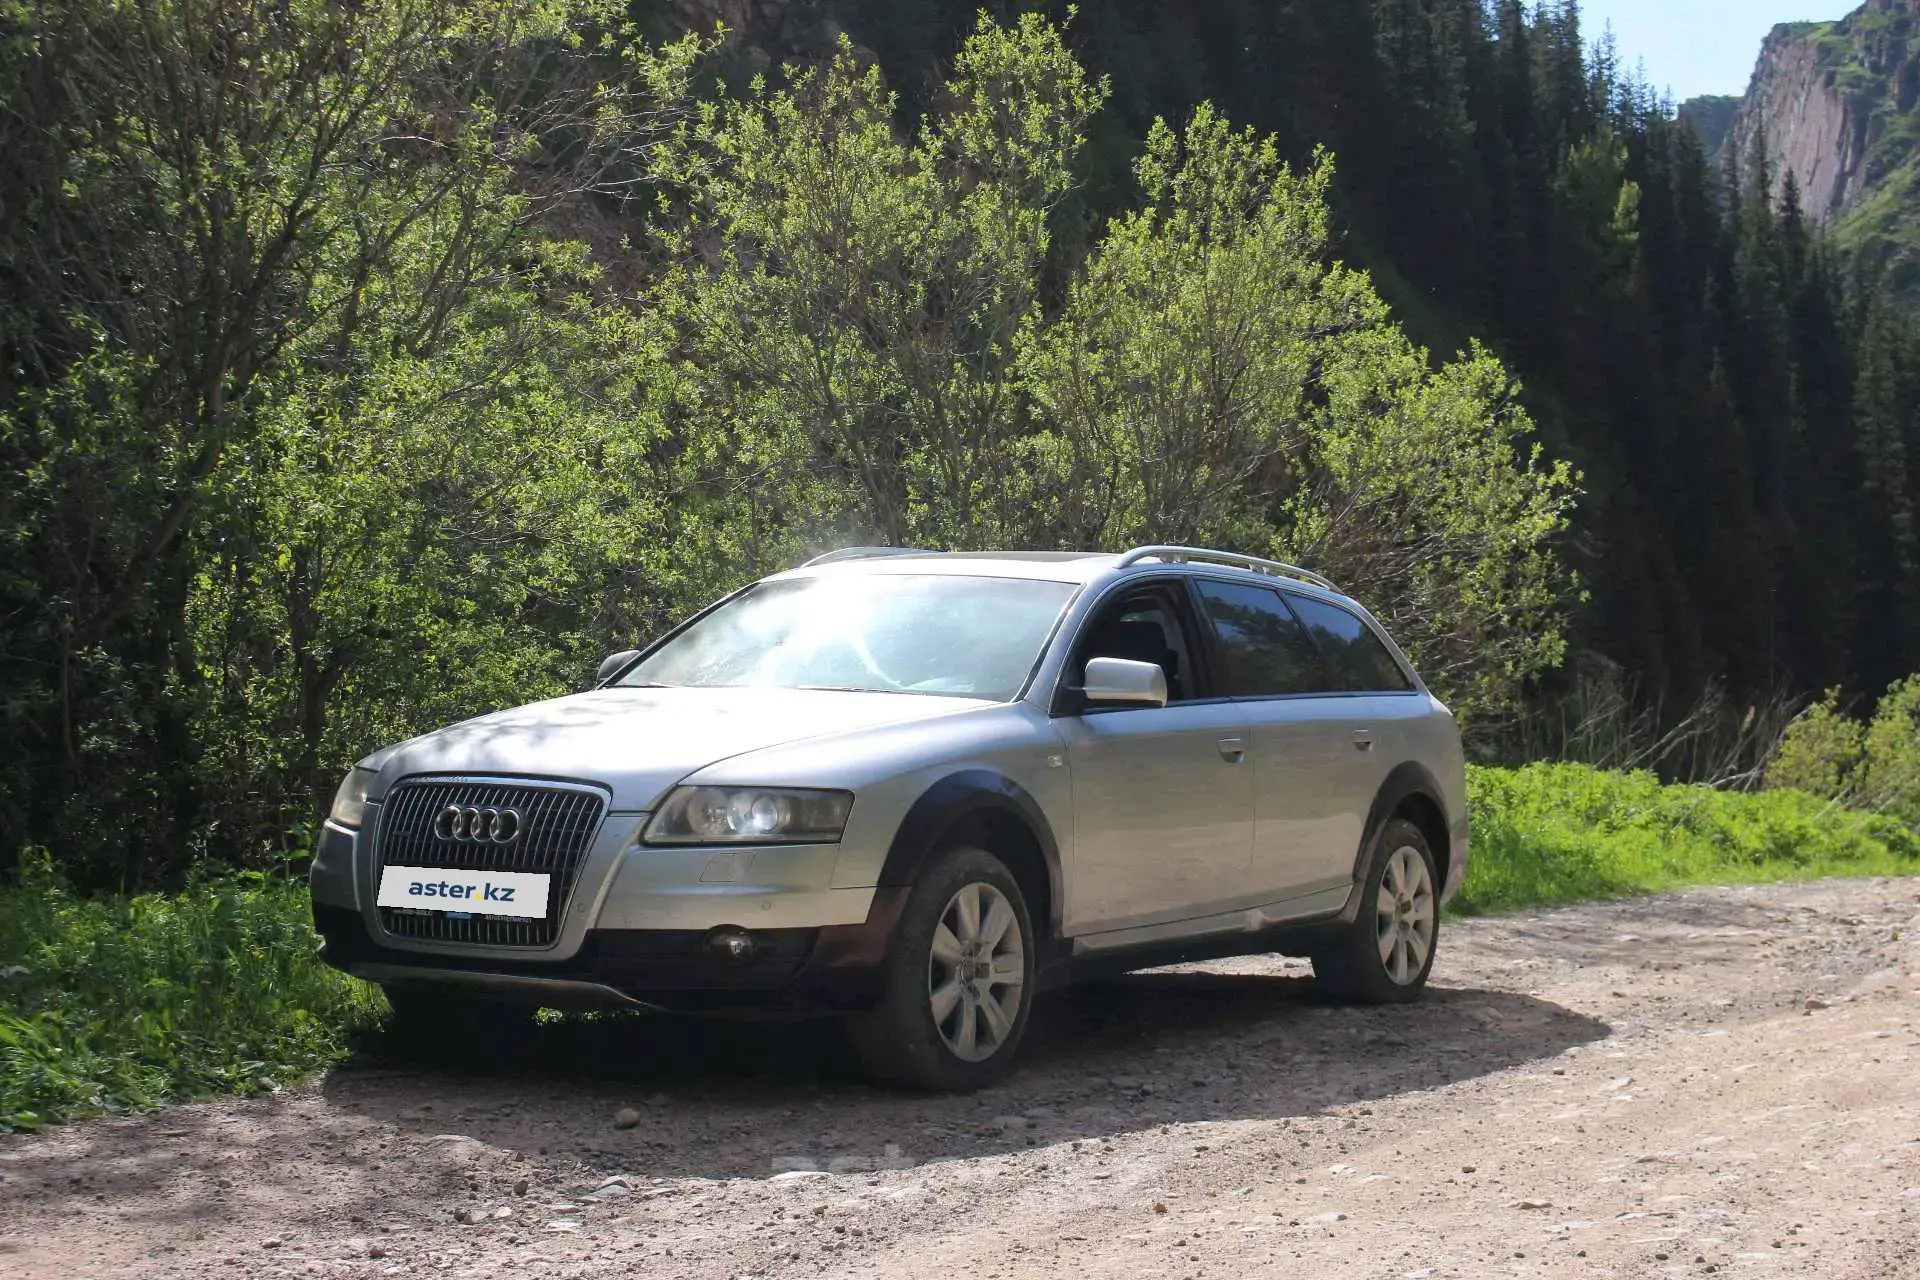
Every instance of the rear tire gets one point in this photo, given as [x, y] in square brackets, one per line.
[956, 985]
[1384, 956]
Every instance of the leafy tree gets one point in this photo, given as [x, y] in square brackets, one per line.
[1890, 765]
[1178, 372]
[223, 210]
[1873, 765]
[850, 300]
[1213, 377]
[446, 530]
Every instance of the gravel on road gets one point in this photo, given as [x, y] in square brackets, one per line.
[1715, 1082]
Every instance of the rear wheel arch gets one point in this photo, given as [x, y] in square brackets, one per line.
[991, 811]
[1413, 793]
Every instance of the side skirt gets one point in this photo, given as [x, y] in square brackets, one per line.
[1298, 927]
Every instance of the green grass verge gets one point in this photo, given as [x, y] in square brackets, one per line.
[1550, 834]
[117, 1004]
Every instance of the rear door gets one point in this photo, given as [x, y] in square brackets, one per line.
[1162, 796]
[1360, 720]
[1306, 768]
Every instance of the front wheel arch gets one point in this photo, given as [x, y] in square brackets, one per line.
[990, 810]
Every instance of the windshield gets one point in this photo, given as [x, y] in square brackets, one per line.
[886, 633]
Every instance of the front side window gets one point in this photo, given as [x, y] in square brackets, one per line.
[882, 633]
[1359, 663]
[1140, 628]
[1263, 649]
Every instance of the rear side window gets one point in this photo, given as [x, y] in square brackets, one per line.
[1359, 663]
[1262, 647]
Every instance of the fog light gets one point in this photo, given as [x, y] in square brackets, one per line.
[731, 944]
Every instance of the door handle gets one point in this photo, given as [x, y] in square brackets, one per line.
[1233, 750]
[1363, 739]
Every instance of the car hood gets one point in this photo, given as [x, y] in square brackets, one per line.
[640, 742]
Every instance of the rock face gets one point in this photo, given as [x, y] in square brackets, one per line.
[1712, 118]
[1830, 97]
[1812, 128]
[1839, 106]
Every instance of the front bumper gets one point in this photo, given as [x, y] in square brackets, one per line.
[789, 970]
[624, 886]
[635, 928]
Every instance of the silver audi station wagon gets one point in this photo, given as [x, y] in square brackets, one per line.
[911, 790]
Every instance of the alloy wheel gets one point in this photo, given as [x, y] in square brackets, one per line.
[1407, 912]
[976, 973]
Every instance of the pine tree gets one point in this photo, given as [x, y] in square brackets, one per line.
[1882, 429]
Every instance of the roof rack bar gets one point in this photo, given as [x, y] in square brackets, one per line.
[1255, 563]
[866, 553]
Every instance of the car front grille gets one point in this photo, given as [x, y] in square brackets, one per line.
[558, 822]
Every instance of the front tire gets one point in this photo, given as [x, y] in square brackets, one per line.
[1384, 956]
[956, 984]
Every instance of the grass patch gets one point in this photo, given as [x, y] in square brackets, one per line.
[117, 1004]
[1549, 834]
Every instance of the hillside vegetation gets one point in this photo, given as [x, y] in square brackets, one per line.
[349, 435]
[1872, 59]
[1738, 404]
[365, 367]
[1837, 104]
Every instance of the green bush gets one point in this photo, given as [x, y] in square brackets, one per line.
[1820, 751]
[1890, 763]
[1874, 766]
[112, 1004]
[1556, 833]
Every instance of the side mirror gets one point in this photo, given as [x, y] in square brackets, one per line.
[1122, 682]
[613, 664]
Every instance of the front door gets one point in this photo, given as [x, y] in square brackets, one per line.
[1163, 796]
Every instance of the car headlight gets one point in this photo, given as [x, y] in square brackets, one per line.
[749, 815]
[350, 801]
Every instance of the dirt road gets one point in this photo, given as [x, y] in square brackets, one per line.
[1718, 1082]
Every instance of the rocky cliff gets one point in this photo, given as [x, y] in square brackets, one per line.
[1814, 128]
[1836, 103]
[1712, 117]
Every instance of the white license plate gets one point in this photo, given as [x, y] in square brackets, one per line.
[479, 893]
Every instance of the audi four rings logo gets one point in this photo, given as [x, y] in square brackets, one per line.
[466, 824]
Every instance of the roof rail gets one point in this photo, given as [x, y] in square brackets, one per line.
[866, 553]
[1255, 563]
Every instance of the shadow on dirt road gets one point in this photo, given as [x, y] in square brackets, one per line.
[727, 1099]
[1767, 1034]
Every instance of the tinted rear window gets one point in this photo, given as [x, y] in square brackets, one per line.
[1359, 663]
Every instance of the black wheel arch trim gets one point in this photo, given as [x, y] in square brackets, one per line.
[949, 803]
[1408, 779]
